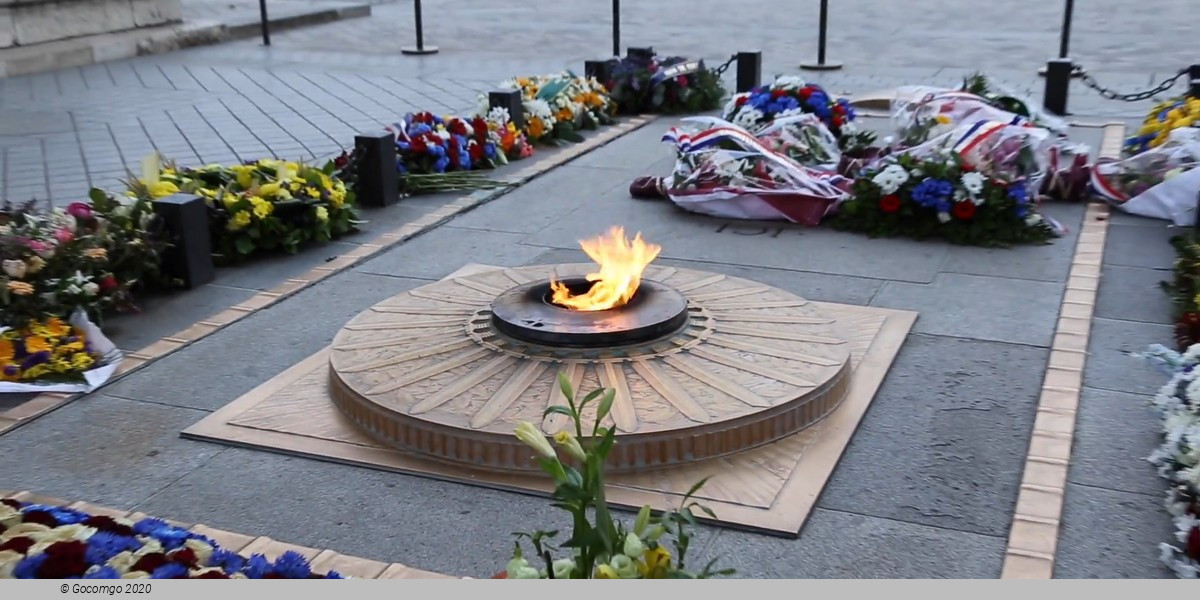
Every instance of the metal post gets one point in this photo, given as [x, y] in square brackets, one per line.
[1194, 81]
[376, 181]
[616, 27]
[749, 70]
[189, 256]
[1064, 40]
[264, 22]
[421, 48]
[822, 35]
[1058, 84]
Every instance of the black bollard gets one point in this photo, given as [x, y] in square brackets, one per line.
[420, 48]
[822, 36]
[616, 27]
[264, 22]
[511, 101]
[189, 256]
[1194, 81]
[749, 70]
[1064, 41]
[1058, 84]
[377, 183]
[646, 53]
[602, 70]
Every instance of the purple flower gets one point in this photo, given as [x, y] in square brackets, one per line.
[79, 210]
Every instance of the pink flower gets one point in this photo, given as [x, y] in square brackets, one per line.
[79, 210]
[64, 236]
[38, 246]
[681, 80]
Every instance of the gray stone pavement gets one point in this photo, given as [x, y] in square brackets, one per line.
[926, 488]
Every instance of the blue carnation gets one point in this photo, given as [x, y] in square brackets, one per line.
[257, 566]
[230, 562]
[760, 101]
[28, 567]
[1018, 193]
[933, 193]
[104, 545]
[169, 536]
[489, 150]
[292, 566]
[334, 575]
[103, 573]
[441, 164]
[403, 146]
[66, 516]
[170, 571]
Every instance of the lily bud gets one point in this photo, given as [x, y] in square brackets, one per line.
[606, 572]
[567, 442]
[624, 566]
[563, 568]
[643, 519]
[515, 565]
[527, 432]
[633, 546]
[655, 532]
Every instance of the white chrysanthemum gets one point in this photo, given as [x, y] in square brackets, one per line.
[973, 182]
[792, 112]
[789, 82]
[890, 179]
[1032, 219]
[944, 217]
[748, 117]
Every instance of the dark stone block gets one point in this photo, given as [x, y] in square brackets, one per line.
[511, 101]
[749, 70]
[189, 257]
[646, 53]
[377, 182]
[600, 69]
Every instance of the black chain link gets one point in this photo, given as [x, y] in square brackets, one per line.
[719, 71]
[1134, 97]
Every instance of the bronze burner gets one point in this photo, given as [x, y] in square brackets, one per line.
[526, 313]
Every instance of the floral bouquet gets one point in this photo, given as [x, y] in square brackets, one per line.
[54, 542]
[995, 149]
[426, 143]
[1161, 121]
[87, 257]
[52, 355]
[1007, 100]
[665, 85]
[558, 107]
[260, 206]
[1184, 290]
[942, 196]
[600, 547]
[1178, 459]
[502, 132]
[789, 96]
[723, 170]
[1161, 182]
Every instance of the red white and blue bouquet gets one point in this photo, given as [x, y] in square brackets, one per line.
[788, 96]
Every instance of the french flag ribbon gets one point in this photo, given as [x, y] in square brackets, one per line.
[1102, 187]
[817, 181]
[978, 132]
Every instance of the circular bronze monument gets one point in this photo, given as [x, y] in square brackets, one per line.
[703, 365]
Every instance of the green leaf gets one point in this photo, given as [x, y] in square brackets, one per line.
[559, 410]
[244, 244]
[695, 488]
[605, 406]
[97, 196]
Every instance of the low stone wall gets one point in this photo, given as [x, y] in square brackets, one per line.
[28, 22]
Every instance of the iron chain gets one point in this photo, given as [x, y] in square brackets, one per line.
[1135, 97]
[719, 71]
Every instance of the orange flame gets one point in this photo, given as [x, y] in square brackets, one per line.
[621, 265]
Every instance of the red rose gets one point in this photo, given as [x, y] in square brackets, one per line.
[184, 556]
[341, 161]
[150, 562]
[212, 575]
[805, 92]
[39, 516]
[18, 544]
[967, 168]
[457, 127]
[777, 93]
[476, 152]
[741, 101]
[9, 502]
[107, 283]
[418, 145]
[889, 203]
[1191, 318]
[1193, 543]
[64, 559]
[963, 210]
[838, 109]
[101, 522]
[273, 575]
[838, 120]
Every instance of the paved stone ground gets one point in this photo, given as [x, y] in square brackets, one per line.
[926, 488]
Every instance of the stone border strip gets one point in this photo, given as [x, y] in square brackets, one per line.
[46, 402]
[1033, 538]
[321, 560]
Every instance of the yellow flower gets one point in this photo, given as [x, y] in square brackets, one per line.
[261, 207]
[6, 351]
[294, 186]
[655, 562]
[82, 360]
[55, 327]
[36, 343]
[313, 192]
[96, 253]
[20, 288]
[942, 119]
[606, 572]
[245, 177]
[239, 220]
[536, 127]
[322, 214]
[34, 264]
[229, 199]
[162, 189]
[268, 189]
